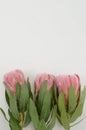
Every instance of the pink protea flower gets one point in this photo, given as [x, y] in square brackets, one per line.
[44, 77]
[12, 78]
[63, 83]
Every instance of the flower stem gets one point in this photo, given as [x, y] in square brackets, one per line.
[22, 119]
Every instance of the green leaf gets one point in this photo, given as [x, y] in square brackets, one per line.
[34, 114]
[45, 112]
[29, 89]
[4, 114]
[13, 105]
[40, 97]
[39, 107]
[72, 100]
[55, 94]
[18, 90]
[24, 96]
[42, 92]
[42, 125]
[14, 124]
[52, 96]
[59, 118]
[79, 108]
[27, 117]
[7, 98]
[62, 109]
[51, 123]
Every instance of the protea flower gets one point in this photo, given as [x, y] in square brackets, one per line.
[44, 98]
[12, 78]
[17, 94]
[49, 79]
[70, 100]
[64, 82]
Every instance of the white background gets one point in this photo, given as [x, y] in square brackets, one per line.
[42, 36]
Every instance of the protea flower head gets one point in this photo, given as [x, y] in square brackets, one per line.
[44, 77]
[64, 82]
[12, 78]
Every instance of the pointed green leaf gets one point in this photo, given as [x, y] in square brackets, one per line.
[45, 112]
[4, 114]
[7, 98]
[59, 118]
[72, 100]
[27, 117]
[79, 108]
[14, 124]
[13, 105]
[42, 92]
[34, 114]
[39, 107]
[51, 123]
[42, 125]
[29, 89]
[62, 109]
[18, 90]
[51, 91]
[24, 96]
[40, 97]
[55, 93]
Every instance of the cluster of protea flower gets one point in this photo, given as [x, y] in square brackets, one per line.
[53, 97]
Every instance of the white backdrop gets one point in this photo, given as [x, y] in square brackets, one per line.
[42, 36]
